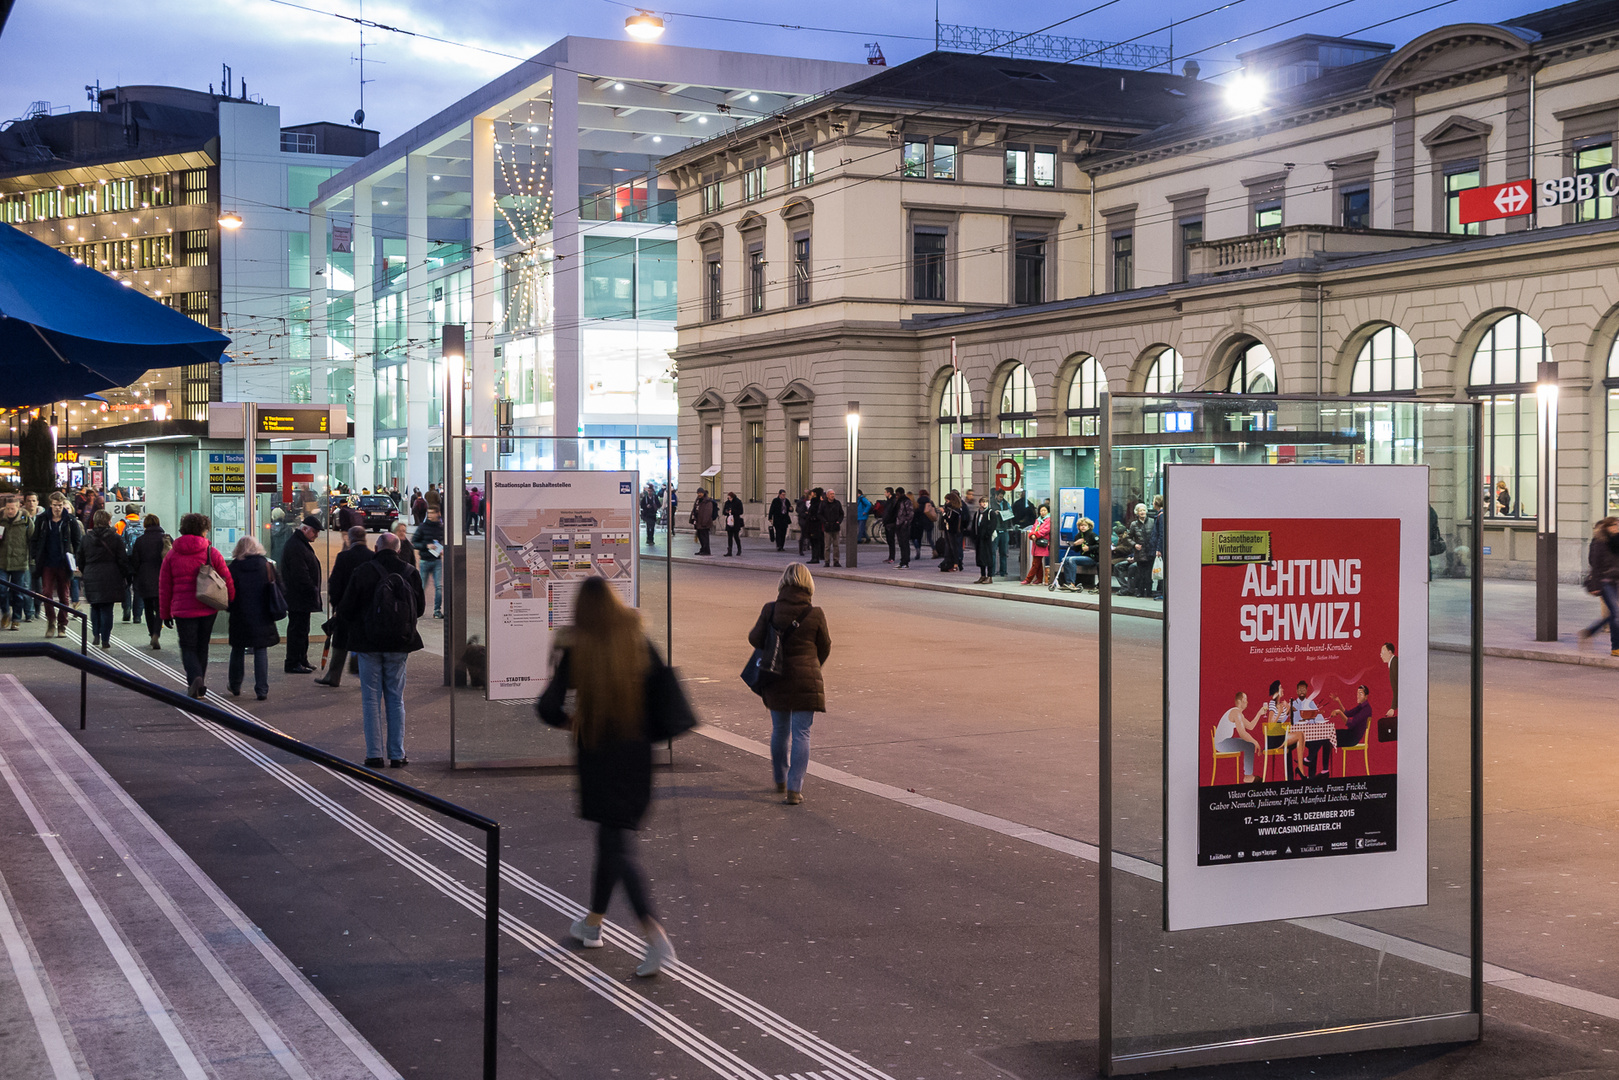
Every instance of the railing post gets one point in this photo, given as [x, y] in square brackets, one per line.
[491, 948]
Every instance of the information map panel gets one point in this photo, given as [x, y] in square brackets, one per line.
[548, 532]
[1297, 770]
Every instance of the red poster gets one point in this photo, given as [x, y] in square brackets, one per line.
[1297, 720]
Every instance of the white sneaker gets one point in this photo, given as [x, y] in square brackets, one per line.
[588, 936]
[659, 951]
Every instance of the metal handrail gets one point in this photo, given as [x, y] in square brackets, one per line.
[269, 737]
[84, 640]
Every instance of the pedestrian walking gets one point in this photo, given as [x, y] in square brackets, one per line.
[146, 559]
[904, 522]
[178, 603]
[798, 694]
[1603, 579]
[54, 548]
[418, 507]
[31, 512]
[781, 518]
[14, 536]
[702, 521]
[129, 530]
[428, 540]
[350, 559]
[381, 603]
[105, 569]
[606, 660]
[650, 505]
[831, 524]
[890, 514]
[300, 580]
[815, 526]
[733, 522]
[406, 551]
[252, 623]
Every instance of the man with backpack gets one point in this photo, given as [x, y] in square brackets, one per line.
[381, 603]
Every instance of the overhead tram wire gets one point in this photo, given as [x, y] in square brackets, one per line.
[774, 25]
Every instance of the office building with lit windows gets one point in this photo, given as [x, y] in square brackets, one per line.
[535, 212]
[1330, 220]
[137, 188]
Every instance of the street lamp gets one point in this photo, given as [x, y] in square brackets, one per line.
[230, 219]
[1546, 505]
[644, 26]
[851, 509]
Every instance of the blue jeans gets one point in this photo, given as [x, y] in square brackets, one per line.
[1074, 563]
[1610, 601]
[13, 605]
[382, 693]
[432, 570]
[238, 668]
[791, 771]
[1002, 549]
[101, 621]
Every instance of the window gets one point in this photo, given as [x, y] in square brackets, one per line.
[1164, 376]
[1031, 165]
[926, 158]
[1355, 207]
[1254, 372]
[194, 247]
[756, 277]
[927, 262]
[804, 459]
[1268, 213]
[1503, 374]
[801, 168]
[1085, 398]
[1017, 166]
[1191, 232]
[196, 186]
[1045, 166]
[1386, 364]
[1593, 157]
[655, 271]
[955, 407]
[1611, 383]
[1029, 269]
[754, 480]
[297, 142]
[609, 278]
[753, 183]
[1017, 420]
[1124, 261]
[1459, 177]
[713, 196]
[801, 268]
[713, 287]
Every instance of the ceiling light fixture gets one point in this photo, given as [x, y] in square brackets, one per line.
[644, 26]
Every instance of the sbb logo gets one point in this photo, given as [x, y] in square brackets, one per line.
[1578, 188]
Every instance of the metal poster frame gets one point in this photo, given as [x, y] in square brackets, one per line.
[455, 569]
[1348, 1033]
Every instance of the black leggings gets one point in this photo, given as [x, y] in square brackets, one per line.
[153, 621]
[615, 862]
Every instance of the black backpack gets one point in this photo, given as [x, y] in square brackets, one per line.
[392, 622]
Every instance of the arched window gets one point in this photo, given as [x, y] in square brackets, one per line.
[1085, 397]
[1017, 420]
[1164, 376]
[1612, 385]
[1254, 372]
[1503, 375]
[1386, 364]
[955, 406]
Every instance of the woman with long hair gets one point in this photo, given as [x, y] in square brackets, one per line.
[798, 694]
[606, 660]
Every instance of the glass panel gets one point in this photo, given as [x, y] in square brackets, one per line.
[609, 280]
[944, 159]
[1017, 167]
[1170, 991]
[655, 271]
[913, 160]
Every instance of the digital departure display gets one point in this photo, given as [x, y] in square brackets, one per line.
[295, 422]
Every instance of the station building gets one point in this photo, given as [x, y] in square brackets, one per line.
[536, 213]
[1305, 235]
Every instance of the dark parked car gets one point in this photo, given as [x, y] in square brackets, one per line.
[380, 512]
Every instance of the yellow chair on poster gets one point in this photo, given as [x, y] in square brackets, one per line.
[1220, 755]
[1365, 759]
[1275, 745]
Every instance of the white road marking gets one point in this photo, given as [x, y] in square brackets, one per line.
[30, 979]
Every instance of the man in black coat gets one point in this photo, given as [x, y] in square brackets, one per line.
[348, 560]
[383, 650]
[300, 580]
[831, 525]
[781, 516]
[650, 505]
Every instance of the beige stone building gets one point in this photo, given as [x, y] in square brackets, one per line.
[1305, 231]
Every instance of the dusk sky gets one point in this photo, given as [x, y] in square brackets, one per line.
[300, 59]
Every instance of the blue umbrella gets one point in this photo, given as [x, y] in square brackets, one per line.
[67, 331]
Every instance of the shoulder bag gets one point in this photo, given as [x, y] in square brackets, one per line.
[211, 589]
[668, 711]
[769, 661]
[275, 601]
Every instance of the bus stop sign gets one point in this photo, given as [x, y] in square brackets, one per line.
[1007, 474]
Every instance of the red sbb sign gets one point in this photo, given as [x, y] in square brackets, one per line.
[1512, 199]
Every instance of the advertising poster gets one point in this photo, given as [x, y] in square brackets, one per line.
[548, 532]
[1296, 767]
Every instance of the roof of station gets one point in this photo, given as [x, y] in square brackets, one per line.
[632, 97]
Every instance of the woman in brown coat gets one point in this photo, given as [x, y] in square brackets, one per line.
[795, 697]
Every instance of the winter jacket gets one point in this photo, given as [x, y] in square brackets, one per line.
[986, 526]
[428, 532]
[14, 543]
[831, 515]
[650, 505]
[146, 558]
[904, 515]
[733, 510]
[300, 573]
[1040, 537]
[800, 688]
[343, 567]
[1604, 559]
[781, 510]
[250, 624]
[130, 528]
[615, 779]
[1139, 533]
[279, 532]
[950, 520]
[702, 513]
[69, 532]
[359, 593]
[862, 508]
[1157, 534]
[418, 509]
[177, 581]
[104, 565]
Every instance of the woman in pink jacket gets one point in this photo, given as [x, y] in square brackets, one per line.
[177, 596]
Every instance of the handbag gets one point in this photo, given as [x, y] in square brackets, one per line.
[769, 661]
[668, 711]
[275, 601]
[211, 589]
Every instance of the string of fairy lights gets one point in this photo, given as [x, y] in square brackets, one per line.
[527, 210]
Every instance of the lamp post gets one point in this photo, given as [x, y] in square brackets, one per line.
[453, 568]
[1546, 505]
[851, 511]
